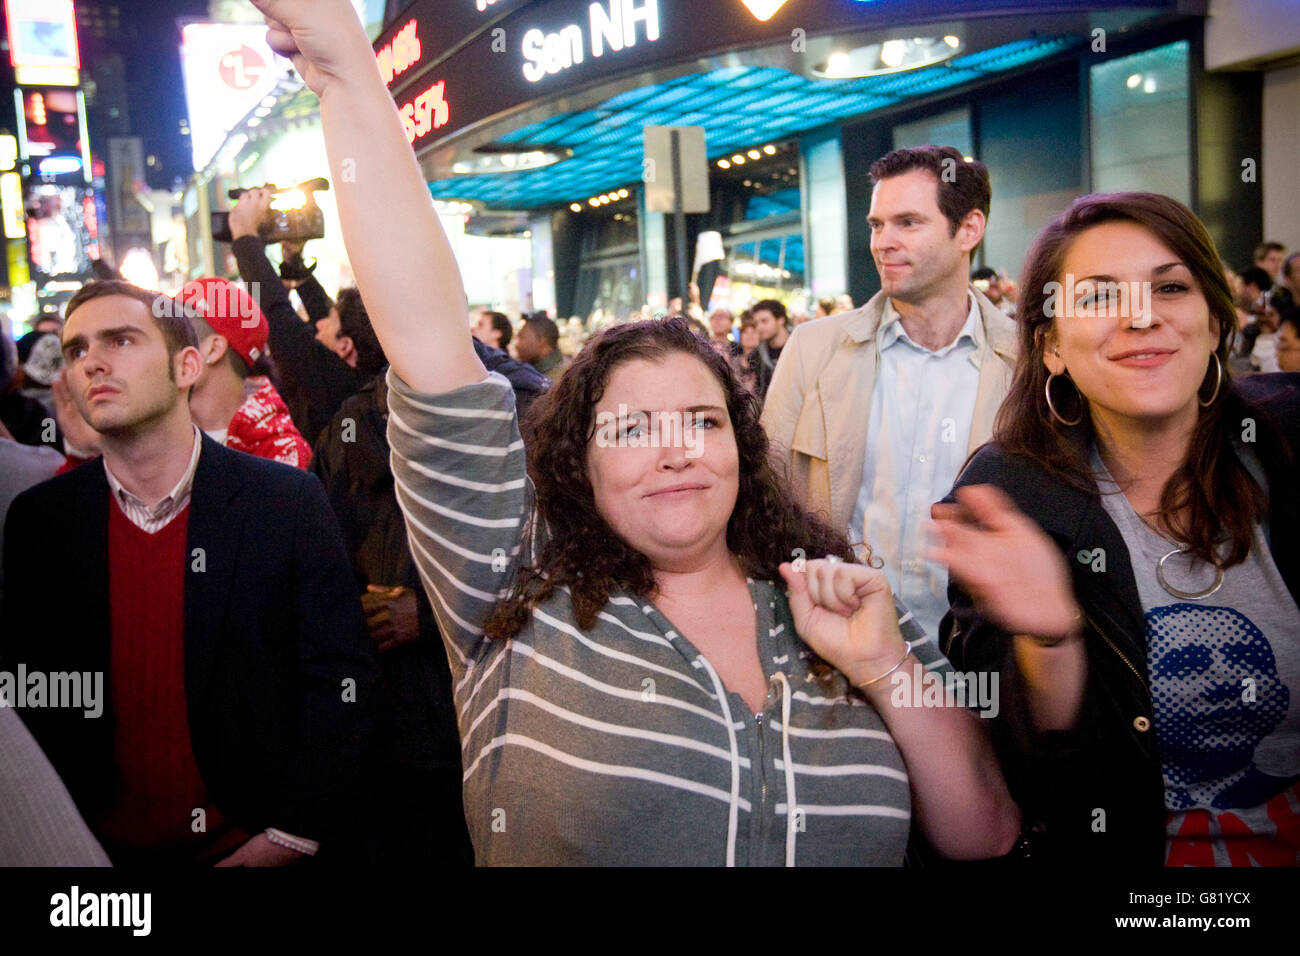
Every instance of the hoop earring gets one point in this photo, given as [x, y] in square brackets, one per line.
[1047, 392]
[1218, 381]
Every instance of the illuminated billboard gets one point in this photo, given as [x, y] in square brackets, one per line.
[52, 132]
[43, 42]
[62, 227]
[228, 70]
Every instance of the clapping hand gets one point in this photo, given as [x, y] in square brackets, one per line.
[1012, 570]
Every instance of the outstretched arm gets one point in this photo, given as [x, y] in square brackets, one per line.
[404, 265]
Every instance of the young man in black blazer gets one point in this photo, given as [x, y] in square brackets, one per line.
[212, 591]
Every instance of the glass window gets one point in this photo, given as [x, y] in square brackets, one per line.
[946, 129]
[1140, 118]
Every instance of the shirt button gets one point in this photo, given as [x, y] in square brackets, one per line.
[1141, 724]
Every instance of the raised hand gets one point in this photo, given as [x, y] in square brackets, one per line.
[249, 211]
[323, 38]
[1009, 566]
[845, 612]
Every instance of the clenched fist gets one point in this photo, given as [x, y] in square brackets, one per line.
[845, 612]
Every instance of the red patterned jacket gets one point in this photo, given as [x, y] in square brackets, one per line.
[262, 427]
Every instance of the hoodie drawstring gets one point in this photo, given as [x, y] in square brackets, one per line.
[733, 816]
[791, 833]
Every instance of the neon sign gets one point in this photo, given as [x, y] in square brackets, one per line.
[427, 112]
[402, 53]
[614, 28]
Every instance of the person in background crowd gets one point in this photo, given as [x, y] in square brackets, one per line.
[39, 823]
[24, 418]
[1286, 293]
[417, 743]
[988, 281]
[1128, 563]
[874, 411]
[50, 324]
[317, 370]
[41, 358]
[1288, 341]
[538, 344]
[1269, 256]
[825, 307]
[214, 594]
[554, 661]
[235, 407]
[843, 303]
[799, 318]
[771, 320]
[722, 322]
[1250, 285]
[742, 364]
[494, 330]
[1258, 337]
[21, 466]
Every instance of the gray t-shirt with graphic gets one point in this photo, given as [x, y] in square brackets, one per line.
[1224, 671]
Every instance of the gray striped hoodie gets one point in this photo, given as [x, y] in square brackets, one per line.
[619, 744]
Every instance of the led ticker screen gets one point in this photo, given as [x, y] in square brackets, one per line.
[492, 57]
[43, 41]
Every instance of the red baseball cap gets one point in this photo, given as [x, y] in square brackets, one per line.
[231, 312]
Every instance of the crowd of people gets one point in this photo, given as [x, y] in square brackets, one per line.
[963, 573]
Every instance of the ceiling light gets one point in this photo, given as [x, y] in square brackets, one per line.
[1149, 85]
[1133, 81]
[623, 194]
[754, 154]
[892, 53]
[491, 162]
[593, 201]
[891, 56]
[738, 159]
[770, 150]
[575, 207]
[724, 164]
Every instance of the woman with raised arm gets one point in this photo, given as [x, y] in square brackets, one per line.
[633, 683]
[1126, 551]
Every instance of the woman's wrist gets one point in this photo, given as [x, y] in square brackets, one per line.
[868, 676]
[1058, 636]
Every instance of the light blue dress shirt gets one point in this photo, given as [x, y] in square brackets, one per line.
[922, 408]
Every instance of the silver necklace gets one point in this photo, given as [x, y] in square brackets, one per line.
[1160, 569]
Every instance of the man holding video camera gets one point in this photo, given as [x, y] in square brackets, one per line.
[320, 367]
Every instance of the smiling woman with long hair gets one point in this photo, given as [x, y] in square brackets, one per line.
[1125, 552]
[658, 657]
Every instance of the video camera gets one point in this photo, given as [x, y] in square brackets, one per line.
[293, 216]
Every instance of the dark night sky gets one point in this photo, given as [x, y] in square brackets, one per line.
[156, 89]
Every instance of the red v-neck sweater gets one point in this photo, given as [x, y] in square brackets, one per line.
[159, 785]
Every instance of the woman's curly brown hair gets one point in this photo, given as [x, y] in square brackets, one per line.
[583, 554]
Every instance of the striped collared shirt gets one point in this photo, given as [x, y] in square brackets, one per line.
[153, 519]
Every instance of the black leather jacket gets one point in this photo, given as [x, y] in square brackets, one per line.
[1094, 795]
